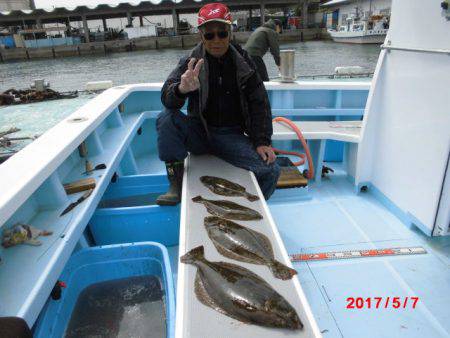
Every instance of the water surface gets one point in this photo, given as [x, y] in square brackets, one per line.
[129, 307]
[312, 57]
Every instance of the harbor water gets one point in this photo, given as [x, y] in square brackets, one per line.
[311, 58]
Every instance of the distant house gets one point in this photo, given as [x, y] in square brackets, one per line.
[337, 11]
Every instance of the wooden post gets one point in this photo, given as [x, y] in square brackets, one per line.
[129, 19]
[305, 14]
[141, 20]
[68, 31]
[175, 20]
[105, 27]
[262, 10]
[85, 28]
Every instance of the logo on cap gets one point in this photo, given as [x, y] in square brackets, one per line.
[214, 12]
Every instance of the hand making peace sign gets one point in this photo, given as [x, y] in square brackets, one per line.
[189, 80]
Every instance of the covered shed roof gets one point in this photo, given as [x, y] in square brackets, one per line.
[135, 7]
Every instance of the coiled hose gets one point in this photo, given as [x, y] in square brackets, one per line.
[303, 157]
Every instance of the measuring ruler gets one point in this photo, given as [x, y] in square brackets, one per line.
[417, 250]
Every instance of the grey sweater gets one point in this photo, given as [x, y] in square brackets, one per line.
[262, 39]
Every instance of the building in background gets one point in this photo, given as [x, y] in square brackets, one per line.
[11, 5]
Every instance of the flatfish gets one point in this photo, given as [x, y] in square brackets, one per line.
[239, 293]
[228, 209]
[243, 244]
[221, 186]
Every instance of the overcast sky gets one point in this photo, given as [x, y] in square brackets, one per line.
[74, 3]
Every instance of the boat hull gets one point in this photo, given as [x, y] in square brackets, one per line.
[361, 38]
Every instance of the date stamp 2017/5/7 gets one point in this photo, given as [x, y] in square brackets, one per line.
[382, 302]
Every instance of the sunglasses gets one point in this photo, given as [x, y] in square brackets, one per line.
[211, 35]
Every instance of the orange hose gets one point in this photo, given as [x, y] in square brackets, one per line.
[292, 125]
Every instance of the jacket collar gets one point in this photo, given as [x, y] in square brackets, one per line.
[199, 53]
[244, 71]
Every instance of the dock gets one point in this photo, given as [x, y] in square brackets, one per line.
[144, 43]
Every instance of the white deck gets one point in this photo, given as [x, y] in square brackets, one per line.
[197, 320]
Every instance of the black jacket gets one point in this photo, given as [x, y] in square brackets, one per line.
[254, 100]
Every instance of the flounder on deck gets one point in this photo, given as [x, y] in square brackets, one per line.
[239, 293]
[243, 244]
[23, 233]
[221, 186]
[228, 209]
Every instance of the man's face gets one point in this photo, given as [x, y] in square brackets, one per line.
[216, 38]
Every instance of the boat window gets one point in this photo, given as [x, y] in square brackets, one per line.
[358, 27]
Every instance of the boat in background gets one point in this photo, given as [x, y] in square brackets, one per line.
[362, 30]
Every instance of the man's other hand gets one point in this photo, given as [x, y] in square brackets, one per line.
[189, 80]
[266, 153]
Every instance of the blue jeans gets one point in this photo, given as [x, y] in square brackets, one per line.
[179, 134]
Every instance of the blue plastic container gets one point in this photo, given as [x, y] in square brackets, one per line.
[136, 223]
[135, 185]
[100, 264]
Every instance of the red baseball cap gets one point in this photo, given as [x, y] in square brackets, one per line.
[214, 12]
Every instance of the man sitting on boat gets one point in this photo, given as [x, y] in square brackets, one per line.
[228, 108]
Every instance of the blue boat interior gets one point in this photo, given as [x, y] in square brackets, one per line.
[108, 234]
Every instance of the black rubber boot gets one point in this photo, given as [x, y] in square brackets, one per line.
[175, 175]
